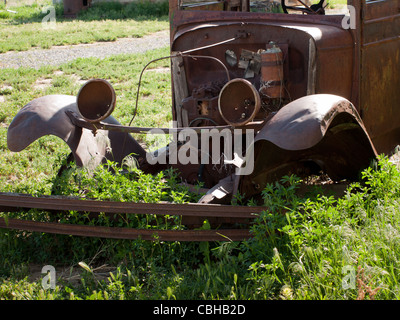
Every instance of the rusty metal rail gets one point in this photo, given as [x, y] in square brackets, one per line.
[12, 201]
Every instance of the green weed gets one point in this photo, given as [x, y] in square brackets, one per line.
[102, 22]
[319, 238]
[300, 250]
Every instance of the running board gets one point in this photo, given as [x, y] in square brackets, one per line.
[12, 202]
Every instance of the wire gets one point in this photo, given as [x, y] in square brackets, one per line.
[184, 54]
[180, 54]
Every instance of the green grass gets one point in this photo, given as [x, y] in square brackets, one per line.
[102, 22]
[336, 3]
[21, 37]
[304, 248]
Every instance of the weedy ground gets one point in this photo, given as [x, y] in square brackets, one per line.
[303, 247]
[22, 28]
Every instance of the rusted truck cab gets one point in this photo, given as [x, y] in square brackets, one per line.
[334, 106]
[355, 56]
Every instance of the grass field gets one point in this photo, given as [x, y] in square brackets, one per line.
[25, 29]
[19, 86]
[304, 248]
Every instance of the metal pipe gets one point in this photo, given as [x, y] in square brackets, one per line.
[96, 100]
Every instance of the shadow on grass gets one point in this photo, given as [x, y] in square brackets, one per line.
[143, 10]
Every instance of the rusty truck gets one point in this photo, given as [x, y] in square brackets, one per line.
[304, 90]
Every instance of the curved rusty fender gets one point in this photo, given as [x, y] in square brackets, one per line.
[303, 123]
[47, 116]
[323, 128]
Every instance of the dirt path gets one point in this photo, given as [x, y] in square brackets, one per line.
[36, 58]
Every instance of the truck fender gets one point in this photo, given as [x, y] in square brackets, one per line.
[322, 130]
[47, 116]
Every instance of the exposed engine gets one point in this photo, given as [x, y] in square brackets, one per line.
[241, 100]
